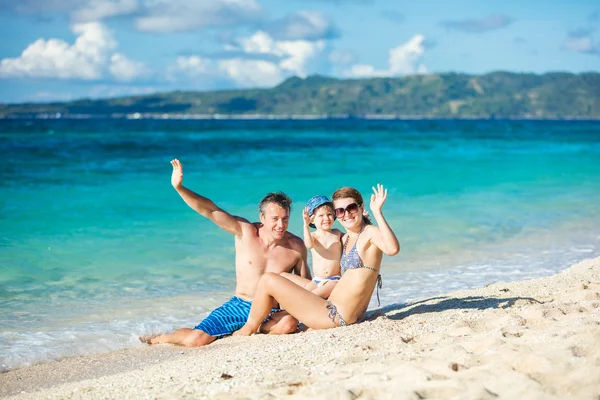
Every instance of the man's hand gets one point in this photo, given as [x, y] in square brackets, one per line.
[177, 176]
[378, 198]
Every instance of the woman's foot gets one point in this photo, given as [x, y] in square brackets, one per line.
[244, 331]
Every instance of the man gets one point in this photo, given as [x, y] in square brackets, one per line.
[260, 247]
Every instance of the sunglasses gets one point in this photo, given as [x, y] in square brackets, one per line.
[351, 208]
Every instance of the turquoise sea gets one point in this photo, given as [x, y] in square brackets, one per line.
[96, 248]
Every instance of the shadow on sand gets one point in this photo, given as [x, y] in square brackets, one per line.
[400, 311]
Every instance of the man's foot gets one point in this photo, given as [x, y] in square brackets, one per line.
[150, 339]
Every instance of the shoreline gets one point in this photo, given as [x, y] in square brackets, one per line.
[537, 338]
[287, 117]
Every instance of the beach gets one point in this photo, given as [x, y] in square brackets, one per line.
[531, 339]
[116, 254]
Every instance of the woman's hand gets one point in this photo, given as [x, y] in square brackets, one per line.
[378, 198]
[177, 175]
[383, 237]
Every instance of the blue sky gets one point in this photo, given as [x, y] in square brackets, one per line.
[68, 49]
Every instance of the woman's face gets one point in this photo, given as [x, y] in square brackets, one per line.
[348, 212]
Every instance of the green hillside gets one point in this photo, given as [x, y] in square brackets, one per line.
[493, 95]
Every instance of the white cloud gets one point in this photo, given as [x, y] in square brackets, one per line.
[298, 54]
[182, 15]
[148, 15]
[580, 44]
[88, 58]
[77, 10]
[581, 41]
[124, 69]
[303, 25]
[364, 71]
[39, 6]
[258, 60]
[309, 25]
[96, 10]
[490, 23]
[260, 42]
[294, 54]
[192, 67]
[402, 60]
[341, 57]
[251, 72]
[159, 16]
[55, 58]
[243, 72]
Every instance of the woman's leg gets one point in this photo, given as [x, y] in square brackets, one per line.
[298, 302]
[298, 280]
[324, 290]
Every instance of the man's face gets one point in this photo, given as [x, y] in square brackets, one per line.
[275, 219]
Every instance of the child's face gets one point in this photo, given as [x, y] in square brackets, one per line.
[323, 218]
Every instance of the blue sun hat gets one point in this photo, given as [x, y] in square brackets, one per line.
[316, 202]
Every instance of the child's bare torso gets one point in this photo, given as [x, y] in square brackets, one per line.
[326, 253]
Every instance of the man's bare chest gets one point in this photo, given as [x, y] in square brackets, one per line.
[278, 261]
[262, 260]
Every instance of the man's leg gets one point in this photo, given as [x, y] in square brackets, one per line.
[221, 321]
[280, 323]
[184, 337]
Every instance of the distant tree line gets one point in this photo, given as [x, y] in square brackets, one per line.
[449, 95]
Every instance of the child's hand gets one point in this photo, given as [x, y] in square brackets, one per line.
[305, 216]
[378, 198]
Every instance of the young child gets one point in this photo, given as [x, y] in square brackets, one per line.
[325, 247]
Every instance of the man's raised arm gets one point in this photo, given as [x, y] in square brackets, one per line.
[202, 205]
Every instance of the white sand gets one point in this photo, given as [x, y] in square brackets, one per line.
[536, 339]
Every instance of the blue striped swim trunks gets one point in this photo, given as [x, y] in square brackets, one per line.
[226, 319]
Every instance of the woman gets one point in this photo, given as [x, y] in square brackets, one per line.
[362, 251]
